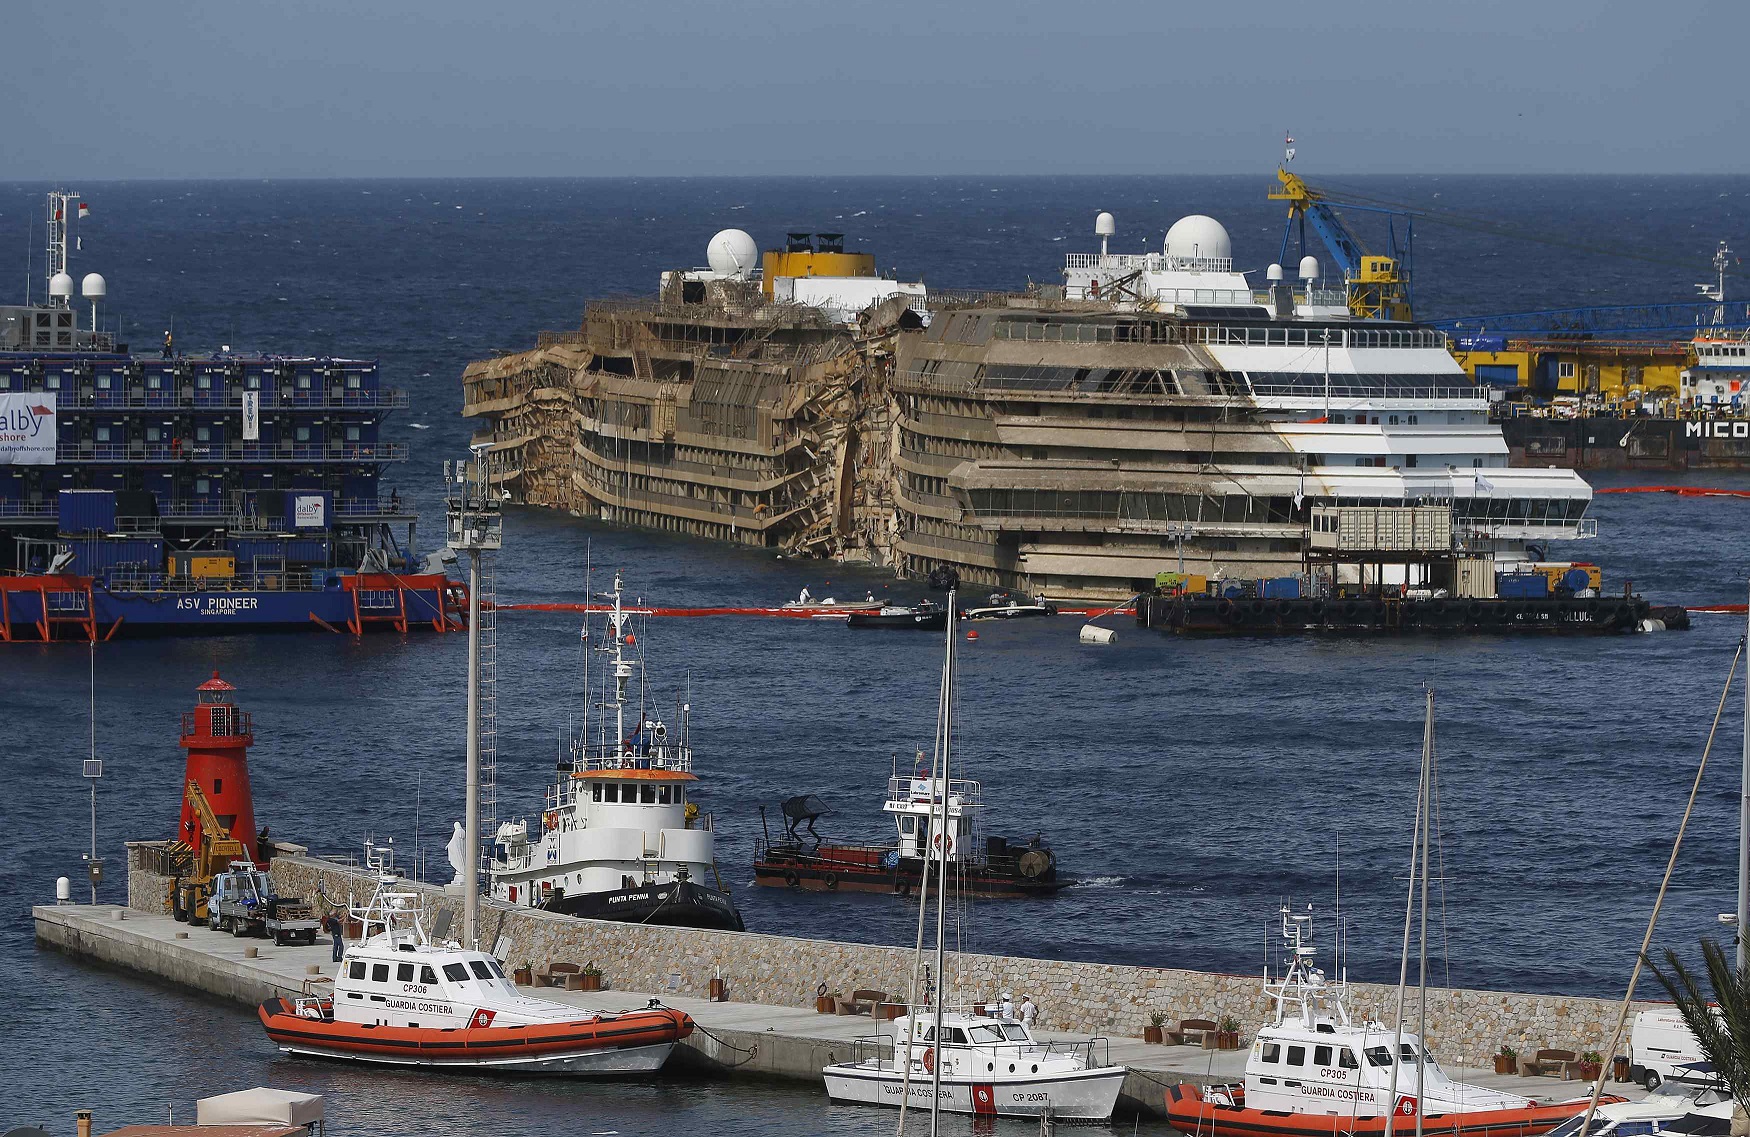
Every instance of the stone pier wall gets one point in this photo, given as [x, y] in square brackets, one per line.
[1465, 1027]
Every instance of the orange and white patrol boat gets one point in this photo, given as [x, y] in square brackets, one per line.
[401, 1000]
[1314, 1073]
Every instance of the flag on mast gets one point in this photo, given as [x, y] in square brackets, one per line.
[84, 211]
[1288, 145]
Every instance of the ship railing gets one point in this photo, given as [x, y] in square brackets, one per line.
[387, 398]
[635, 756]
[231, 452]
[1093, 1053]
[908, 790]
[1314, 388]
[872, 1048]
[289, 581]
[12, 508]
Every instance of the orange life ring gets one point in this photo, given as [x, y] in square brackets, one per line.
[930, 1060]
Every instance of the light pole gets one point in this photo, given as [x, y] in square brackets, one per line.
[93, 771]
[476, 526]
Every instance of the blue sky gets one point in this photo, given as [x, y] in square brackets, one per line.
[322, 88]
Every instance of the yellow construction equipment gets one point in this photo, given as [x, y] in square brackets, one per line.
[217, 850]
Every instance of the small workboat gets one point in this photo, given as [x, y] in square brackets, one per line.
[985, 867]
[402, 1000]
[828, 608]
[1314, 1073]
[1008, 606]
[925, 615]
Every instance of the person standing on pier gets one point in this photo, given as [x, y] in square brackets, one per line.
[332, 924]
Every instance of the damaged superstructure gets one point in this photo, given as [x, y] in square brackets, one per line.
[1154, 412]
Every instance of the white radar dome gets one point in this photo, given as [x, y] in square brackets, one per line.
[732, 253]
[60, 284]
[1309, 268]
[1105, 225]
[93, 287]
[1274, 272]
[1199, 238]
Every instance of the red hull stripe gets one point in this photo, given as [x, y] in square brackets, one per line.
[642, 1028]
[1189, 1113]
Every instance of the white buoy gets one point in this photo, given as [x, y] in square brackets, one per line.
[1095, 634]
[63, 890]
[1651, 625]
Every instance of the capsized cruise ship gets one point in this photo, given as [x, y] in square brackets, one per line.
[1154, 412]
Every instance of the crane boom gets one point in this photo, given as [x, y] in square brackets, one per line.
[1378, 286]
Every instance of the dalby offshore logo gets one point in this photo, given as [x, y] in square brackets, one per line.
[25, 422]
[27, 430]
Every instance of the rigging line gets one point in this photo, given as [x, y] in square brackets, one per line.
[1659, 901]
[1409, 913]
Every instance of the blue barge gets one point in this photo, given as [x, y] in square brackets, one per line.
[174, 493]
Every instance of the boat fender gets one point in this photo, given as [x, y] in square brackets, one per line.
[1350, 610]
[902, 887]
[1316, 610]
[930, 1060]
[791, 879]
[1258, 607]
[1607, 613]
[832, 881]
[1473, 610]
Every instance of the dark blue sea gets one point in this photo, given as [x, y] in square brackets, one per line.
[1194, 786]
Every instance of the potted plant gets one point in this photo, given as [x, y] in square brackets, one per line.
[524, 975]
[1591, 1064]
[1507, 1061]
[1155, 1030]
[1227, 1033]
[591, 976]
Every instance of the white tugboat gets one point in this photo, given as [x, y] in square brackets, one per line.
[402, 1000]
[618, 838]
[953, 1059]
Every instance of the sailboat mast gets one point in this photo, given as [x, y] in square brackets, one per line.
[1427, 808]
[942, 868]
[1409, 915]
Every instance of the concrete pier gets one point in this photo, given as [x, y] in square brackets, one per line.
[734, 1038]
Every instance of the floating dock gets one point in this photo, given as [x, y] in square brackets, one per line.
[733, 1039]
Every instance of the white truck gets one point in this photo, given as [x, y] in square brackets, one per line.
[244, 903]
[1659, 1043]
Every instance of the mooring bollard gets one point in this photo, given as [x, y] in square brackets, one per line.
[182, 935]
[251, 953]
[118, 914]
[312, 969]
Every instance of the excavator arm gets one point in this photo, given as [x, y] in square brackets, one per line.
[217, 848]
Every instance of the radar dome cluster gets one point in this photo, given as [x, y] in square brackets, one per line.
[61, 285]
[733, 253]
[1198, 241]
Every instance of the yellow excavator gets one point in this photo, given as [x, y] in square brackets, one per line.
[191, 891]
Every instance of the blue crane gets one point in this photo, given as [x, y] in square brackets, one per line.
[1378, 286]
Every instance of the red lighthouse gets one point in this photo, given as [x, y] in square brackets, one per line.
[217, 737]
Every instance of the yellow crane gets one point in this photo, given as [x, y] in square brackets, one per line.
[1378, 286]
[216, 852]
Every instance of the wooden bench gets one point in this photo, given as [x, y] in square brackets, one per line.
[1548, 1063]
[1193, 1032]
[861, 1002]
[560, 975]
